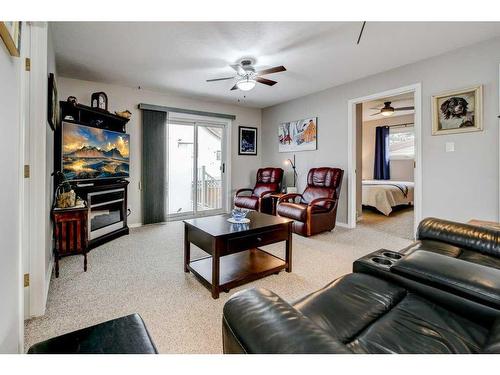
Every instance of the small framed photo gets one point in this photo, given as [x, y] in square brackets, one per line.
[458, 111]
[247, 141]
[10, 32]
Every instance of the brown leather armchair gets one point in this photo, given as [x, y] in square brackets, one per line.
[316, 210]
[268, 182]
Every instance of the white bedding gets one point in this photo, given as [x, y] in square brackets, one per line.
[385, 194]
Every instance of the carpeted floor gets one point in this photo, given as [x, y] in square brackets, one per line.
[399, 223]
[143, 273]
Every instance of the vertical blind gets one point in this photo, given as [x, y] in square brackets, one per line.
[154, 161]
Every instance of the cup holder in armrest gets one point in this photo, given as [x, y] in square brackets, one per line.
[392, 255]
[381, 261]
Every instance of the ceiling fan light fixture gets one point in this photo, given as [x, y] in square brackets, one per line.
[386, 112]
[246, 84]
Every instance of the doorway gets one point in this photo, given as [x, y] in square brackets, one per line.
[400, 131]
[196, 168]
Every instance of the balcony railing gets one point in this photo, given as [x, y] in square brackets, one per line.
[208, 191]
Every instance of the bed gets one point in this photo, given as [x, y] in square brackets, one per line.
[386, 194]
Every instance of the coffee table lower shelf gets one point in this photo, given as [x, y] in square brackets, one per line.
[237, 269]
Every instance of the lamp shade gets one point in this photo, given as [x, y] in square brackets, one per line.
[246, 84]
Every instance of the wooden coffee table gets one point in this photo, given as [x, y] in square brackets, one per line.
[235, 258]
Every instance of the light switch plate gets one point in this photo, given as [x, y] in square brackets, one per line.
[450, 146]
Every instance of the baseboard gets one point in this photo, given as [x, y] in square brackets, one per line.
[343, 225]
[48, 277]
[135, 225]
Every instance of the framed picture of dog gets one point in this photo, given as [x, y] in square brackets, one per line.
[458, 111]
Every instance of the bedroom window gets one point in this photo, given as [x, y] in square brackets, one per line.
[402, 143]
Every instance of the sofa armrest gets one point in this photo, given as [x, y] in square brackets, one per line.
[242, 190]
[288, 196]
[484, 240]
[258, 321]
[472, 281]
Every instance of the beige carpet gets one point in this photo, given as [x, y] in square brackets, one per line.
[143, 273]
[399, 223]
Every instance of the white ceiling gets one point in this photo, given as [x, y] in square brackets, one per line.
[179, 56]
[402, 100]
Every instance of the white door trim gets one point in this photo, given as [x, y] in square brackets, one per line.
[39, 275]
[351, 149]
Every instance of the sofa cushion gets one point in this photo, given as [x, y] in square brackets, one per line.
[416, 325]
[434, 247]
[296, 211]
[244, 201]
[478, 258]
[349, 304]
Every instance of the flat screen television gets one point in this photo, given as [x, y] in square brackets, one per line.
[90, 153]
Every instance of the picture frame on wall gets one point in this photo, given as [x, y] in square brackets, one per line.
[52, 103]
[299, 135]
[458, 111]
[247, 140]
[10, 32]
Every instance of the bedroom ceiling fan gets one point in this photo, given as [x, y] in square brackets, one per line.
[247, 76]
[387, 110]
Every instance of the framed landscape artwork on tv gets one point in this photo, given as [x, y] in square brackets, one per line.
[300, 135]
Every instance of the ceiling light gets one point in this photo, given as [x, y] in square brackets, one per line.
[246, 84]
[387, 112]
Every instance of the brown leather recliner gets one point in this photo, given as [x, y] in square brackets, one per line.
[268, 181]
[316, 210]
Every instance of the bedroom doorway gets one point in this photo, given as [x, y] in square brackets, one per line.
[384, 161]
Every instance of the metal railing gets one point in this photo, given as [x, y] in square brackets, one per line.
[208, 191]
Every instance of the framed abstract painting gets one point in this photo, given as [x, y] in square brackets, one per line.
[247, 144]
[300, 135]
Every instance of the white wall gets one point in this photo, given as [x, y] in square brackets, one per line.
[10, 159]
[401, 170]
[244, 167]
[457, 186]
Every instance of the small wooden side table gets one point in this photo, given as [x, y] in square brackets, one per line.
[274, 198]
[71, 233]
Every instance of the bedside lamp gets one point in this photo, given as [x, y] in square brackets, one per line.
[291, 189]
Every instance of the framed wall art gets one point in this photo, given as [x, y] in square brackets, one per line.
[52, 102]
[459, 111]
[10, 32]
[300, 135]
[247, 144]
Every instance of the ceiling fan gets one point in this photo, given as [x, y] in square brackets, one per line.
[387, 110]
[247, 76]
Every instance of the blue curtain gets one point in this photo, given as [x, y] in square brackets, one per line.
[381, 170]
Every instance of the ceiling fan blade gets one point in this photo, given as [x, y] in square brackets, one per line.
[238, 69]
[234, 87]
[220, 79]
[375, 114]
[404, 109]
[361, 32]
[266, 81]
[276, 69]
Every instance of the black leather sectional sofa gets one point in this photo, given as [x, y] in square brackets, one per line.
[440, 295]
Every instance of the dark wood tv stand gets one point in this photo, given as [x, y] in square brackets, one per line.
[106, 198]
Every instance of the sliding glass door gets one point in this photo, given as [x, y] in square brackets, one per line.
[196, 168]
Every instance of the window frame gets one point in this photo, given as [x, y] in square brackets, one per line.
[403, 129]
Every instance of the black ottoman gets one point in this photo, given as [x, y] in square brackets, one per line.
[126, 335]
